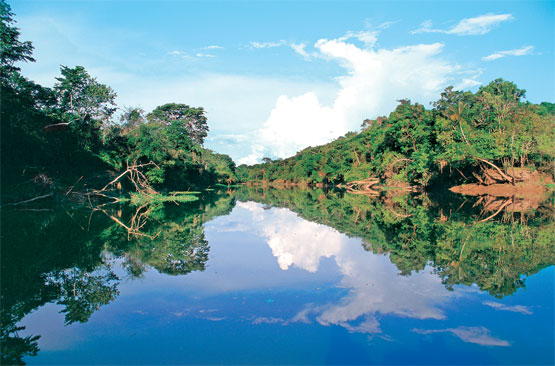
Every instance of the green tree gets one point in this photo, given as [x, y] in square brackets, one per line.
[192, 120]
[132, 117]
[12, 49]
[82, 99]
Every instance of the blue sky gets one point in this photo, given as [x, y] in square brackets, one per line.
[275, 77]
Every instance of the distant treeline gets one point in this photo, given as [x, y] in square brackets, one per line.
[69, 135]
[488, 136]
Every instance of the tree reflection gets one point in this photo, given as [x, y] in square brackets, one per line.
[457, 235]
[67, 256]
[82, 293]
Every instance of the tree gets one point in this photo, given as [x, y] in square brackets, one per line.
[82, 98]
[192, 119]
[12, 50]
[82, 104]
[132, 117]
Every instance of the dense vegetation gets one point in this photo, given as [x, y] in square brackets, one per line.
[67, 141]
[70, 136]
[465, 136]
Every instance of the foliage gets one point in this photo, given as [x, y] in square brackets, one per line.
[191, 121]
[412, 145]
[67, 134]
[138, 199]
[12, 49]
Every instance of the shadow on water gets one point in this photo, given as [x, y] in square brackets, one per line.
[68, 255]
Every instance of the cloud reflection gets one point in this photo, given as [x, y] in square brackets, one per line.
[477, 335]
[374, 282]
[514, 308]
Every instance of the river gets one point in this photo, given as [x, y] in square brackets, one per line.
[266, 276]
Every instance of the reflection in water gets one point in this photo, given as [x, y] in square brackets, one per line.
[450, 233]
[414, 252]
[67, 256]
[374, 284]
[477, 335]
[515, 308]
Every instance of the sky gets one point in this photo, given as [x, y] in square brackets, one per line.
[277, 76]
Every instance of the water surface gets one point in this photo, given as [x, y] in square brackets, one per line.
[280, 277]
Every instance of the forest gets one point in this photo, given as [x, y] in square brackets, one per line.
[489, 137]
[73, 142]
[86, 186]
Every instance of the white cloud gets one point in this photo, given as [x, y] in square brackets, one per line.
[175, 53]
[479, 25]
[514, 308]
[254, 157]
[222, 96]
[476, 335]
[369, 325]
[375, 79]
[267, 44]
[205, 55]
[516, 52]
[300, 49]
[369, 38]
[467, 84]
[214, 47]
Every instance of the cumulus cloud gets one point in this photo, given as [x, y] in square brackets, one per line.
[479, 25]
[373, 82]
[369, 325]
[476, 335]
[516, 52]
[514, 308]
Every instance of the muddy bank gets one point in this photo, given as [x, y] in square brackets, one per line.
[522, 190]
[520, 197]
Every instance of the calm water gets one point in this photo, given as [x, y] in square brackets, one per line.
[279, 277]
